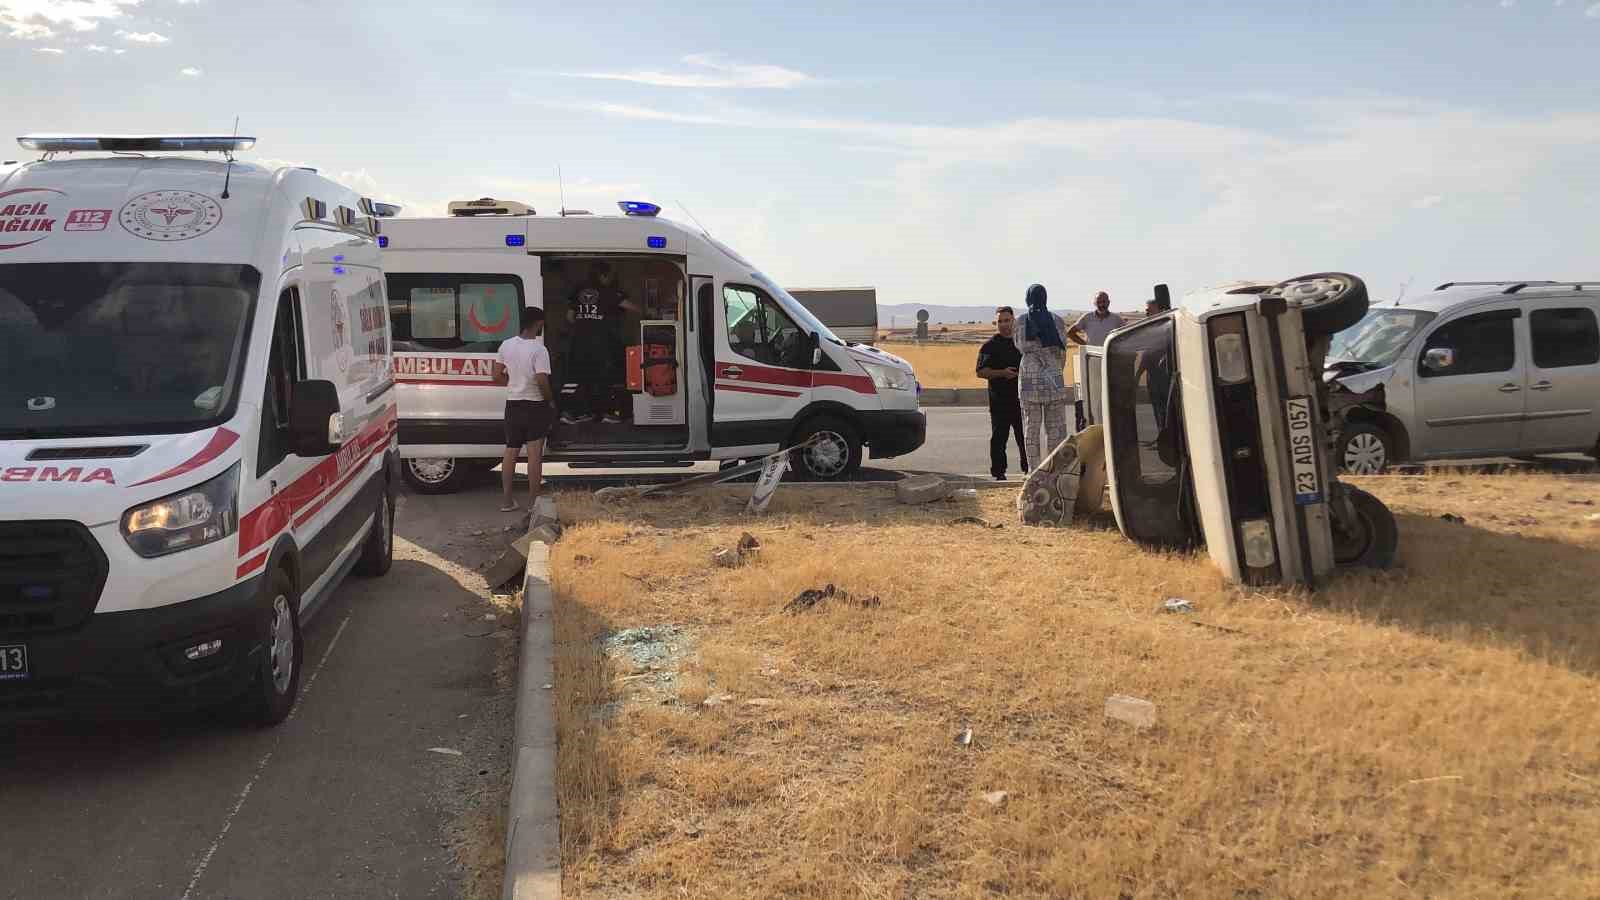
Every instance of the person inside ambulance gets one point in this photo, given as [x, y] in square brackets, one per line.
[595, 314]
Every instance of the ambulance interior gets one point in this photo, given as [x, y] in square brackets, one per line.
[646, 389]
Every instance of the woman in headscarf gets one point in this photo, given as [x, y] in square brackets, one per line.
[1041, 379]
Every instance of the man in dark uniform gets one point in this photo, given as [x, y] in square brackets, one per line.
[595, 313]
[1156, 365]
[998, 360]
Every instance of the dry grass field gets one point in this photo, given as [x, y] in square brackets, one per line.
[1427, 731]
[940, 365]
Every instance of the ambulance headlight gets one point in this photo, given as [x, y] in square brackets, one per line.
[1229, 353]
[890, 378]
[1256, 536]
[201, 515]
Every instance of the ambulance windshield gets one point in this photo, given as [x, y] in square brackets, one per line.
[90, 349]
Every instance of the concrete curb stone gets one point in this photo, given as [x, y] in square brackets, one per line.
[533, 823]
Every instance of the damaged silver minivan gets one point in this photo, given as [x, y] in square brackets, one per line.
[1216, 431]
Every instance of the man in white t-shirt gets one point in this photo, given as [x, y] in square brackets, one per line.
[1092, 327]
[523, 367]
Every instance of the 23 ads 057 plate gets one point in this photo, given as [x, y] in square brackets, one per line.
[13, 662]
[1303, 452]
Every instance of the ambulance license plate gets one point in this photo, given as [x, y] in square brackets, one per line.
[13, 662]
[1303, 452]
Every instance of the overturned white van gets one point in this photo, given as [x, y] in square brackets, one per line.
[197, 424]
[718, 363]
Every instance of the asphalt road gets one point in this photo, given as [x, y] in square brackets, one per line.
[342, 800]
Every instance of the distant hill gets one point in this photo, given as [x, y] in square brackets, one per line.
[904, 315]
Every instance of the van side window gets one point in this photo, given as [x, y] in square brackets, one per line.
[285, 366]
[1483, 343]
[1564, 337]
[759, 329]
[453, 312]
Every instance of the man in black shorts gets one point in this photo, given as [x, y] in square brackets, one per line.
[523, 367]
[595, 312]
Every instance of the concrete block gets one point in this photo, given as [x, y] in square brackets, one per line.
[922, 489]
[1131, 710]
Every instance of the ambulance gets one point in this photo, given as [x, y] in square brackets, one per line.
[197, 423]
[715, 362]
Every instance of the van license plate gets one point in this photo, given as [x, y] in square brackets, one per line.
[13, 662]
[1303, 452]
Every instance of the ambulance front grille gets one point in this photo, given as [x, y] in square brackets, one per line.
[60, 453]
[51, 576]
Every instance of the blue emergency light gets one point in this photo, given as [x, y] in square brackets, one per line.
[515, 240]
[638, 208]
[656, 242]
[383, 241]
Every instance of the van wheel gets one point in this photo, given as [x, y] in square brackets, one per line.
[435, 475]
[377, 552]
[835, 455]
[277, 681]
[1364, 449]
[1329, 302]
[1371, 539]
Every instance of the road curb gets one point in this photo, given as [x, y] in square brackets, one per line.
[533, 822]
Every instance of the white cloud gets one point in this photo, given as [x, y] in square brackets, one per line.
[51, 50]
[191, 72]
[1507, 4]
[37, 19]
[1593, 12]
[96, 48]
[1429, 202]
[713, 72]
[143, 37]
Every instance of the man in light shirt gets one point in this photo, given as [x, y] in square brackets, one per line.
[523, 367]
[1092, 327]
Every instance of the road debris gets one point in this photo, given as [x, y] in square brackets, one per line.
[964, 737]
[921, 489]
[1452, 517]
[1133, 711]
[996, 798]
[741, 554]
[1069, 482]
[974, 520]
[445, 751]
[812, 597]
[1177, 605]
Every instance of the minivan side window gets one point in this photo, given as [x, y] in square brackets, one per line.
[453, 312]
[759, 329]
[1564, 337]
[1483, 343]
[286, 364]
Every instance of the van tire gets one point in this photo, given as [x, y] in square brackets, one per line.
[271, 695]
[1339, 301]
[436, 475]
[1379, 538]
[1365, 449]
[377, 551]
[839, 455]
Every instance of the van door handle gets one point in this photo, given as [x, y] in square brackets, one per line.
[1541, 386]
[1509, 388]
[731, 371]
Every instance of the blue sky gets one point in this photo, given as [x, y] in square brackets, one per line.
[946, 153]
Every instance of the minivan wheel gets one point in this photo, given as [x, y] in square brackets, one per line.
[435, 475]
[277, 681]
[377, 551]
[1365, 449]
[836, 453]
[1372, 539]
[1329, 302]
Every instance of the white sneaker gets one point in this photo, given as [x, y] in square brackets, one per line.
[612, 420]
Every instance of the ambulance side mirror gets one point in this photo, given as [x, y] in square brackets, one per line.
[315, 423]
[816, 349]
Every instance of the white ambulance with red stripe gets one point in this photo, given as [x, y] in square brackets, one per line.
[197, 423]
[717, 363]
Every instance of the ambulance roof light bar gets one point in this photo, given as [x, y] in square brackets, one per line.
[488, 206]
[638, 208]
[135, 143]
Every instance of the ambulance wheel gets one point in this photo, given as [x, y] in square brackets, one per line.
[377, 552]
[1329, 302]
[435, 475]
[277, 683]
[835, 455]
[1369, 541]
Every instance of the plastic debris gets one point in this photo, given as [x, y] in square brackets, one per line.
[964, 738]
[445, 751]
[1177, 605]
[1131, 710]
[995, 798]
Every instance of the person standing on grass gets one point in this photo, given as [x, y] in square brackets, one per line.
[998, 361]
[1092, 327]
[523, 366]
[1041, 379]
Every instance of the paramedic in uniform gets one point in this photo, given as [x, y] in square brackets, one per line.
[595, 313]
[998, 361]
[524, 367]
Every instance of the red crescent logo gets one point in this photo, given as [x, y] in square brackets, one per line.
[472, 316]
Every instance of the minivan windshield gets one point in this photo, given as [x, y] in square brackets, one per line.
[1378, 339]
[797, 309]
[92, 349]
